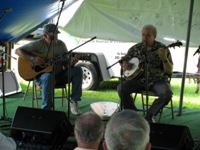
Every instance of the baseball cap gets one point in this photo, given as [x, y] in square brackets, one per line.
[50, 29]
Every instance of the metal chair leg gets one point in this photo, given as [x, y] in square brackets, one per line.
[27, 89]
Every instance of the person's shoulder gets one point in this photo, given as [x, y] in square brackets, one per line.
[41, 40]
[157, 43]
[60, 41]
[38, 41]
[137, 45]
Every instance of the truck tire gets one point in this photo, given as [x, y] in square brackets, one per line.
[90, 76]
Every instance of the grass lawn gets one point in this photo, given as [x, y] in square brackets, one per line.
[107, 91]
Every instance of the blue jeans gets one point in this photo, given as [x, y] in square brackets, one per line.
[45, 81]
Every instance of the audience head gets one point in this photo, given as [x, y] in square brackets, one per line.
[89, 130]
[127, 130]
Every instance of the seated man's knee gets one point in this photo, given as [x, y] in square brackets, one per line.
[78, 70]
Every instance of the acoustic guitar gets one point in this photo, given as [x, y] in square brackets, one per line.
[28, 70]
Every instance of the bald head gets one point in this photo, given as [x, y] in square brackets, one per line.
[89, 128]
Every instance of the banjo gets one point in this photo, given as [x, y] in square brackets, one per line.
[137, 67]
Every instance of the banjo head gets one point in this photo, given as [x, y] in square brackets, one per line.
[135, 66]
[135, 71]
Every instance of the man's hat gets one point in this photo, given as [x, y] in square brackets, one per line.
[50, 29]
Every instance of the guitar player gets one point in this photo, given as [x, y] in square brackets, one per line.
[159, 66]
[36, 55]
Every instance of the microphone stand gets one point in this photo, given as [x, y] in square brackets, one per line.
[121, 77]
[4, 117]
[70, 51]
[69, 87]
[52, 38]
[69, 66]
[53, 77]
[69, 62]
[53, 70]
[122, 96]
[127, 57]
[146, 63]
[121, 83]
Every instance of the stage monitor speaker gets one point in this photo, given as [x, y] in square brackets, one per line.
[170, 137]
[11, 85]
[41, 127]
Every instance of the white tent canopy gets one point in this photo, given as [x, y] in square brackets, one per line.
[122, 20]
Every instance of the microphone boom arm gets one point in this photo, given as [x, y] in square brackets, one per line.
[69, 52]
[197, 51]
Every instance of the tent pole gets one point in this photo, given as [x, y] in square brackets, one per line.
[186, 55]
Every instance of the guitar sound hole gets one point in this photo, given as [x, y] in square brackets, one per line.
[38, 68]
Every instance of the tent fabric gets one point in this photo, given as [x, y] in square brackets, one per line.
[122, 20]
[20, 17]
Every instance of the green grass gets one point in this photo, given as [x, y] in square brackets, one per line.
[190, 99]
[107, 91]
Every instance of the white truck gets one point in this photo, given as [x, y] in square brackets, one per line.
[99, 60]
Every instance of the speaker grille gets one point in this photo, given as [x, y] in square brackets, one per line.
[43, 126]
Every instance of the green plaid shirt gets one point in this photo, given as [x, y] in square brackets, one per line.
[154, 66]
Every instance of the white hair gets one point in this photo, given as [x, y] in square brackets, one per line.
[127, 130]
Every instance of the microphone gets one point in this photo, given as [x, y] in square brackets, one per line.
[145, 44]
[5, 11]
[52, 37]
[93, 38]
[197, 51]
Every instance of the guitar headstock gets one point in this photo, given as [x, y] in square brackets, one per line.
[178, 43]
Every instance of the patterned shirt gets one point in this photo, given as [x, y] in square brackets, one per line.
[154, 63]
